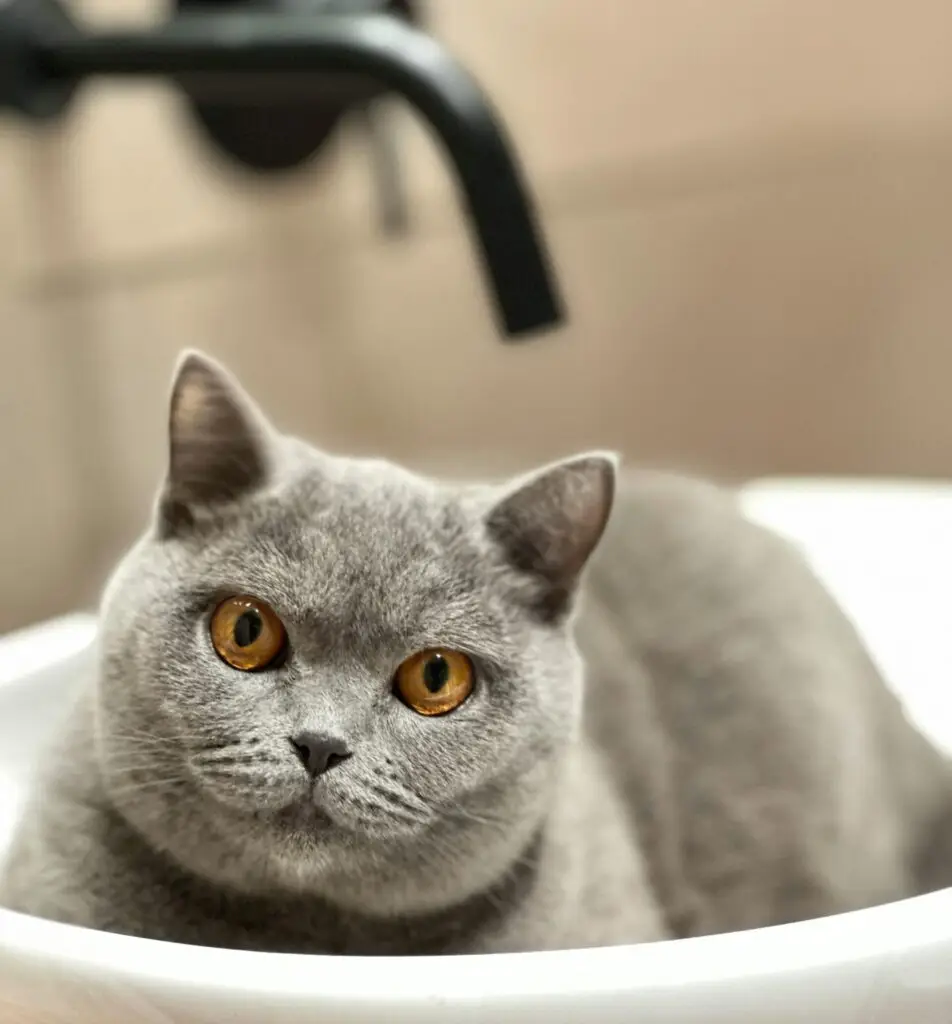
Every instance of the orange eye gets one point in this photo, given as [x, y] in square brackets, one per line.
[247, 633]
[434, 682]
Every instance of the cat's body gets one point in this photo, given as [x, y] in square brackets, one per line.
[737, 762]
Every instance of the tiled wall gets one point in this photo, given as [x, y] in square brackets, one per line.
[749, 203]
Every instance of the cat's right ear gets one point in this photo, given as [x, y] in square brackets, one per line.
[220, 444]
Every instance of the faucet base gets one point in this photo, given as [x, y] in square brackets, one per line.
[269, 128]
[27, 86]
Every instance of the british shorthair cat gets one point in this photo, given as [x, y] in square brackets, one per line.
[343, 708]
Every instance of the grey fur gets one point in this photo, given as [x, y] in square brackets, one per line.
[736, 760]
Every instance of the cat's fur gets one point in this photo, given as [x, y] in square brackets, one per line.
[736, 760]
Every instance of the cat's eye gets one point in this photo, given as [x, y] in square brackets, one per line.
[247, 633]
[435, 681]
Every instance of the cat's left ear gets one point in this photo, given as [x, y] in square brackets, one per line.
[550, 522]
[220, 444]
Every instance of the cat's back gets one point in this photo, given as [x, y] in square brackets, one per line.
[723, 626]
[717, 627]
[682, 572]
[766, 764]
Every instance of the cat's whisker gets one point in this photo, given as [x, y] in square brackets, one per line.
[492, 821]
[395, 814]
[212, 746]
[206, 763]
[144, 768]
[132, 733]
[254, 780]
[260, 758]
[387, 808]
[140, 756]
[146, 785]
[138, 743]
[400, 798]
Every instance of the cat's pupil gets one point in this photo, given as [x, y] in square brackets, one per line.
[436, 673]
[248, 628]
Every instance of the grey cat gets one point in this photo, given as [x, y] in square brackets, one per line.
[340, 708]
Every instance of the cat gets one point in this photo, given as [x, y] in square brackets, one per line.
[343, 708]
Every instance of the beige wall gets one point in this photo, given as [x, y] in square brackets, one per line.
[750, 203]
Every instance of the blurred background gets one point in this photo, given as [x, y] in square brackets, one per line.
[748, 203]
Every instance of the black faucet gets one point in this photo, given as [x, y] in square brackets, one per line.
[44, 55]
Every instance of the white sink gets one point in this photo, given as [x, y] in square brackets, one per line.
[885, 549]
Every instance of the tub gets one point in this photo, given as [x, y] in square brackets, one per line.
[884, 548]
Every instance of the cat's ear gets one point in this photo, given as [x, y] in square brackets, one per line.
[220, 444]
[549, 523]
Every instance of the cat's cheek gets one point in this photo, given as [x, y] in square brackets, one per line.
[258, 793]
[439, 756]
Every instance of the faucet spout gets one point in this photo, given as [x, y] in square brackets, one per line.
[382, 48]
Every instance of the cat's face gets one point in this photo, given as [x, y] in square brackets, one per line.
[381, 717]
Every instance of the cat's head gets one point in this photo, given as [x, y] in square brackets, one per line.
[333, 675]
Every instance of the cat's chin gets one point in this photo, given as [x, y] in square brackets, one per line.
[304, 815]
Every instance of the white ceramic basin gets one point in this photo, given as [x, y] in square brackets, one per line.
[886, 551]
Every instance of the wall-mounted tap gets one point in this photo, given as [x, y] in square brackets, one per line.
[45, 55]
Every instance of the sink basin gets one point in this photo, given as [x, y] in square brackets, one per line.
[884, 548]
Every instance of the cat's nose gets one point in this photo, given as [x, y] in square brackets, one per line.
[319, 752]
